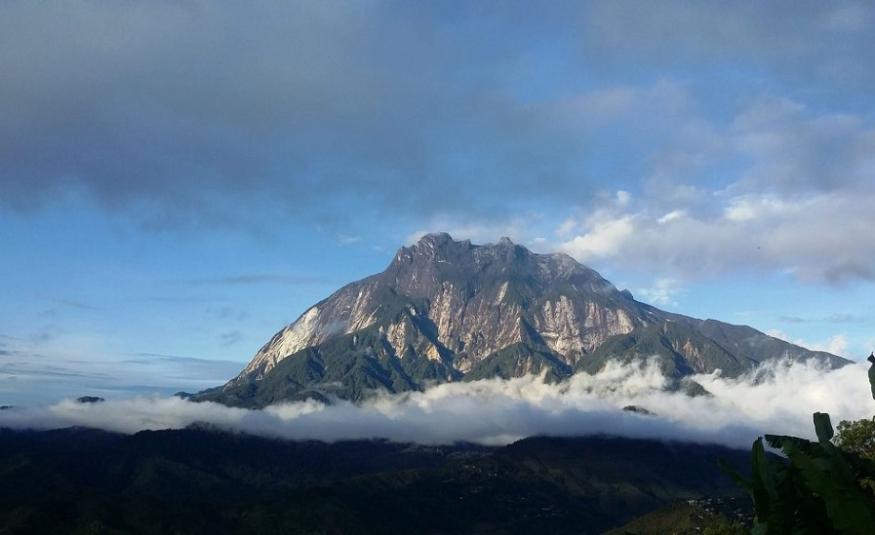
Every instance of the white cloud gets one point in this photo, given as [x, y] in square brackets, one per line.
[777, 187]
[825, 236]
[61, 364]
[664, 292]
[749, 208]
[567, 227]
[778, 333]
[671, 216]
[499, 411]
[604, 238]
[345, 239]
[836, 344]
[662, 98]
[415, 237]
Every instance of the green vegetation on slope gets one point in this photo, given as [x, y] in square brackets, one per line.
[517, 360]
[691, 517]
[201, 481]
[679, 349]
[348, 367]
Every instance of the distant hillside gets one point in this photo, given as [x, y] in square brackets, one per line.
[201, 481]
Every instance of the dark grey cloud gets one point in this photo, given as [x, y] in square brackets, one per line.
[218, 113]
[795, 149]
[820, 43]
[215, 111]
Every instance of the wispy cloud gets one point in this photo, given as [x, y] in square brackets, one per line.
[179, 298]
[230, 338]
[345, 239]
[227, 313]
[73, 303]
[663, 292]
[836, 344]
[73, 365]
[255, 278]
[177, 358]
[832, 318]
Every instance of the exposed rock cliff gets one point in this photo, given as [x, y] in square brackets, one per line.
[445, 310]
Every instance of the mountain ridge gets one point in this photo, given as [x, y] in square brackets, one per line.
[447, 310]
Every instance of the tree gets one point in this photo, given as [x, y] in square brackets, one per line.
[826, 486]
[857, 437]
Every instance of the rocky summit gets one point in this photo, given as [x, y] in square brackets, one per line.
[447, 310]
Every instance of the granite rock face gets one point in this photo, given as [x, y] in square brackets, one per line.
[447, 310]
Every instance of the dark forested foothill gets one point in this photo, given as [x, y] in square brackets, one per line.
[205, 481]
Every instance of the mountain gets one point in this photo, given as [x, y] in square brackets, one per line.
[447, 310]
[203, 481]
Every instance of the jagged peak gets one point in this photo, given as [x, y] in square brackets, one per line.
[434, 245]
[422, 269]
[442, 246]
[435, 239]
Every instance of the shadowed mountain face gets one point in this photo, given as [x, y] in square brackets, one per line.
[448, 310]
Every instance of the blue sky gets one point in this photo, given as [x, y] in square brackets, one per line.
[178, 180]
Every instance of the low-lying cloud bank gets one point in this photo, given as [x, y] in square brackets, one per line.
[778, 399]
